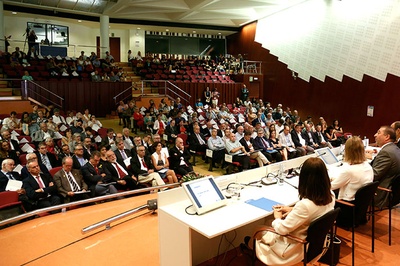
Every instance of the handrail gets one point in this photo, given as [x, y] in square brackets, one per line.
[26, 88]
[116, 96]
[107, 222]
[77, 203]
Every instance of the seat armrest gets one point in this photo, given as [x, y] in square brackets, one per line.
[385, 189]
[345, 203]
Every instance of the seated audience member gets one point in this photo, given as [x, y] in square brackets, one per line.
[247, 143]
[7, 173]
[78, 158]
[121, 153]
[179, 158]
[353, 174]
[93, 122]
[143, 168]
[77, 139]
[310, 137]
[299, 141]
[50, 124]
[138, 120]
[275, 142]
[109, 139]
[88, 148]
[161, 163]
[6, 152]
[217, 145]
[14, 146]
[65, 152]
[46, 158]
[128, 140]
[396, 127]
[78, 127]
[321, 139]
[57, 118]
[331, 137]
[42, 134]
[386, 164]
[118, 173]
[159, 125]
[316, 200]
[70, 181]
[171, 131]
[266, 147]
[285, 139]
[238, 152]
[40, 188]
[33, 157]
[11, 122]
[95, 177]
[197, 141]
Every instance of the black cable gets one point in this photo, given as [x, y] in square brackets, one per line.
[219, 246]
[230, 245]
[188, 212]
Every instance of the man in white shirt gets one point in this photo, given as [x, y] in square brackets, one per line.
[217, 145]
[286, 139]
[238, 152]
[57, 118]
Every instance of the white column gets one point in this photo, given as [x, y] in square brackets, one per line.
[2, 43]
[104, 37]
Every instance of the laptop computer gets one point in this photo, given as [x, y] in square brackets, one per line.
[204, 194]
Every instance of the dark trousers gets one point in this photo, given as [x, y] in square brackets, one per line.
[244, 160]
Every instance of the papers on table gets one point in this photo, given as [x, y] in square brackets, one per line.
[13, 185]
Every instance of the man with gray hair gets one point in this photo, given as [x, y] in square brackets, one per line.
[42, 134]
[29, 158]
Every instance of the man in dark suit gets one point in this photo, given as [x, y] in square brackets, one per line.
[95, 177]
[40, 188]
[310, 137]
[143, 168]
[121, 153]
[197, 141]
[247, 143]
[386, 165]
[264, 145]
[119, 173]
[321, 140]
[171, 131]
[46, 158]
[7, 173]
[88, 148]
[179, 158]
[78, 158]
[70, 181]
[299, 142]
[33, 157]
[109, 139]
[65, 152]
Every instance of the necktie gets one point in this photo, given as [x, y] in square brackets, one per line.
[119, 170]
[40, 182]
[46, 162]
[201, 141]
[72, 182]
[319, 136]
[97, 169]
[123, 154]
[144, 164]
[10, 176]
[265, 143]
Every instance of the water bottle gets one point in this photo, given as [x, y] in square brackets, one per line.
[280, 175]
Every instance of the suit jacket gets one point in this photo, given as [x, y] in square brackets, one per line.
[136, 165]
[63, 185]
[118, 154]
[4, 179]
[307, 138]
[320, 138]
[386, 166]
[112, 173]
[244, 143]
[16, 146]
[30, 185]
[295, 138]
[175, 157]
[75, 162]
[91, 177]
[52, 159]
[25, 173]
[86, 153]
[38, 136]
[105, 141]
[194, 143]
[258, 144]
[171, 130]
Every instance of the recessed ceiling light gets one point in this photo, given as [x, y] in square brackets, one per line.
[14, 13]
[219, 33]
[167, 30]
[138, 28]
[79, 21]
[194, 31]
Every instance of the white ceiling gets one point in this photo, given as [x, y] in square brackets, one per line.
[219, 13]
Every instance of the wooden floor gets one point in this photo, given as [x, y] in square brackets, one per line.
[57, 239]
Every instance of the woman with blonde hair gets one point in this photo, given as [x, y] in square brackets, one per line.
[355, 171]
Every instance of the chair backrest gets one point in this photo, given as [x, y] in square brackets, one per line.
[395, 187]
[317, 232]
[54, 170]
[8, 198]
[363, 198]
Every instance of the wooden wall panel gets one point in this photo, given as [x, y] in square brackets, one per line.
[346, 100]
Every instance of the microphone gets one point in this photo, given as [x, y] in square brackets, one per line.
[321, 154]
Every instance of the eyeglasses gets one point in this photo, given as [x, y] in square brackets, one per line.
[141, 150]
